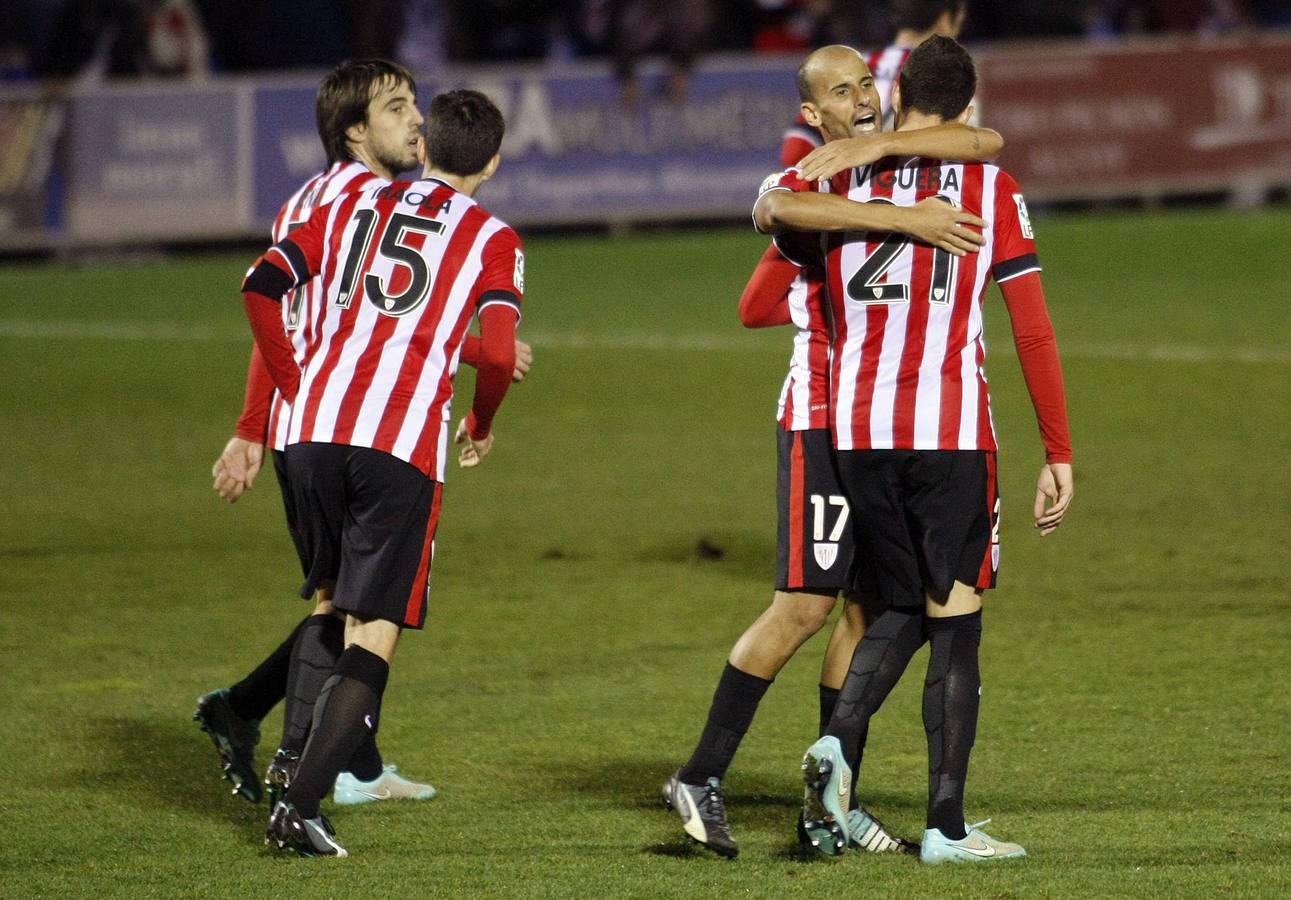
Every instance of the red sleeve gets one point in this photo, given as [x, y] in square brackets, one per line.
[499, 291]
[502, 276]
[470, 354]
[765, 301]
[253, 424]
[1014, 251]
[497, 362]
[262, 292]
[788, 180]
[1038, 352]
[799, 140]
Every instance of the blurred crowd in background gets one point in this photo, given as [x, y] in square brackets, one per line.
[191, 38]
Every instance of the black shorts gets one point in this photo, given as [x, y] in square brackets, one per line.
[924, 520]
[365, 520]
[289, 508]
[814, 537]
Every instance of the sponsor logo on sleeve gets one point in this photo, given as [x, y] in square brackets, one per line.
[1024, 218]
[519, 271]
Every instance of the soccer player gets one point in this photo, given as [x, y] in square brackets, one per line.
[369, 125]
[404, 268]
[916, 21]
[815, 530]
[916, 445]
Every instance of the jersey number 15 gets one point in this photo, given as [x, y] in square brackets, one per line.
[393, 248]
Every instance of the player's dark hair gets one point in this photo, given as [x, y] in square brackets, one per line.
[343, 99]
[938, 78]
[463, 132]
[922, 15]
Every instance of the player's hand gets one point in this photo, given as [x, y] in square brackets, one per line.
[524, 361]
[1054, 488]
[236, 469]
[847, 153]
[944, 226]
[474, 451]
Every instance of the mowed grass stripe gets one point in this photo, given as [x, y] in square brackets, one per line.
[663, 342]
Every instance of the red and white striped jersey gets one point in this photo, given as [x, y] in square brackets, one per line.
[908, 351]
[403, 267]
[804, 399]
[320, 190]
[805, 395]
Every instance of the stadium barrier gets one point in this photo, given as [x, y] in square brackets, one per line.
[149, 162]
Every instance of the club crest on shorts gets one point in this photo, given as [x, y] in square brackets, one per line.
[826, 554]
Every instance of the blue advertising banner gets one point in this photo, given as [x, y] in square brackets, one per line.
[572, 153]
[162, 163]
[287, 149]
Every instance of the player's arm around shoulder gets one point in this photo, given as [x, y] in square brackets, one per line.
[780, 209]
[953, 140]
[772, 195]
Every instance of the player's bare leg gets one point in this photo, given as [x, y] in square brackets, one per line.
[847, 633]
[777, 634]
[963, 600]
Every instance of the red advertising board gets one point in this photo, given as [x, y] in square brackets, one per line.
[1087, 121]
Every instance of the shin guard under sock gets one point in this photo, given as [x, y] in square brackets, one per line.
[951, 697]
[343, 716]
[877, 665]
[313, 659]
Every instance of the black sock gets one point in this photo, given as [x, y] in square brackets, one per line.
[313, 659]
[366, 764]
[828, 700]
[260, 691]
[734, 703]
[951, 696]
[877, 665]
[342, 717]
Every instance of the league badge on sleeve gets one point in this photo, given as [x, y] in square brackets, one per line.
[1024, 218]
[770, 183]
[519, 271]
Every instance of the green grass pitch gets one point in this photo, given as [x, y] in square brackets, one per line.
[1134, 730]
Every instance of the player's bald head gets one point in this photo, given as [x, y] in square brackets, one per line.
[820, 68]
